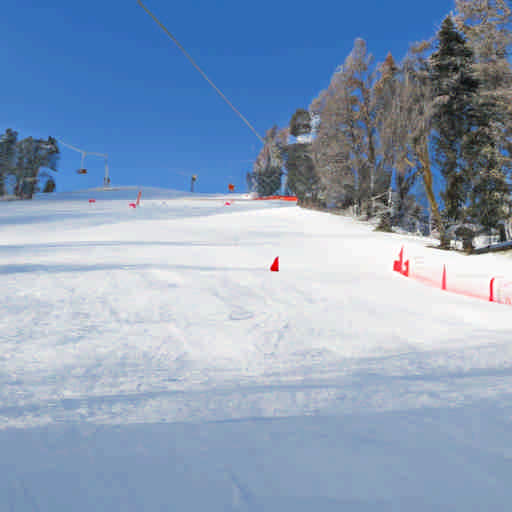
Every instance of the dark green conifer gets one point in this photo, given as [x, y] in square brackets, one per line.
[454, 88]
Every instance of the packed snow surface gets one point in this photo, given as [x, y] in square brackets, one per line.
[149, 360]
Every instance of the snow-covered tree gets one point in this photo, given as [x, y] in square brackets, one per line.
[393, 130]
[333, 153]
[268, 167]
[346, 146]
[302, 178]
[487, 26]
[32, 155]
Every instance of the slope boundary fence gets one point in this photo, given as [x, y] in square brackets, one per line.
[276, 198]
[488, 287]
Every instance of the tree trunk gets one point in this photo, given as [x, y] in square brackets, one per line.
[371, 160]
[426, 172]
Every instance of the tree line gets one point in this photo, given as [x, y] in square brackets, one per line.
[378, 130]
[24, 165]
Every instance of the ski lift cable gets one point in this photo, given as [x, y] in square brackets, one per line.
[71, 147]
[203, 74]
[105, 155]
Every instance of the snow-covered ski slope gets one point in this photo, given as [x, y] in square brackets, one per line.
[152, 348]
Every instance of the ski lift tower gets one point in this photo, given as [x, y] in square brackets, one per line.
[83, 170]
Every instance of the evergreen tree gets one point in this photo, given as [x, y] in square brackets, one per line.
[268, 181]
[251, 183]
[268, 167]
[49, 186]
[7, 157]
[31, 156]
[302, 179]
[487, 27]
[300, 123]
[453, 89]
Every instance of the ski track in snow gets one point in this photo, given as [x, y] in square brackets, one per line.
[169, 313]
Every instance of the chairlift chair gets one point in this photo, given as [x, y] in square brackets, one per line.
[82, 170]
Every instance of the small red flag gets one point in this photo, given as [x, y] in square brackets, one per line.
[275, 266]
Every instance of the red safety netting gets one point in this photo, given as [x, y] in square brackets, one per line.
[450, 278]
[274, 198]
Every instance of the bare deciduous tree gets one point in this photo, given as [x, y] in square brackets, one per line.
[413, 109]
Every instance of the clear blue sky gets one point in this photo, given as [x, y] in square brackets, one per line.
[101, 75]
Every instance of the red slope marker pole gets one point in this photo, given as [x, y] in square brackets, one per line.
[398, 264]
